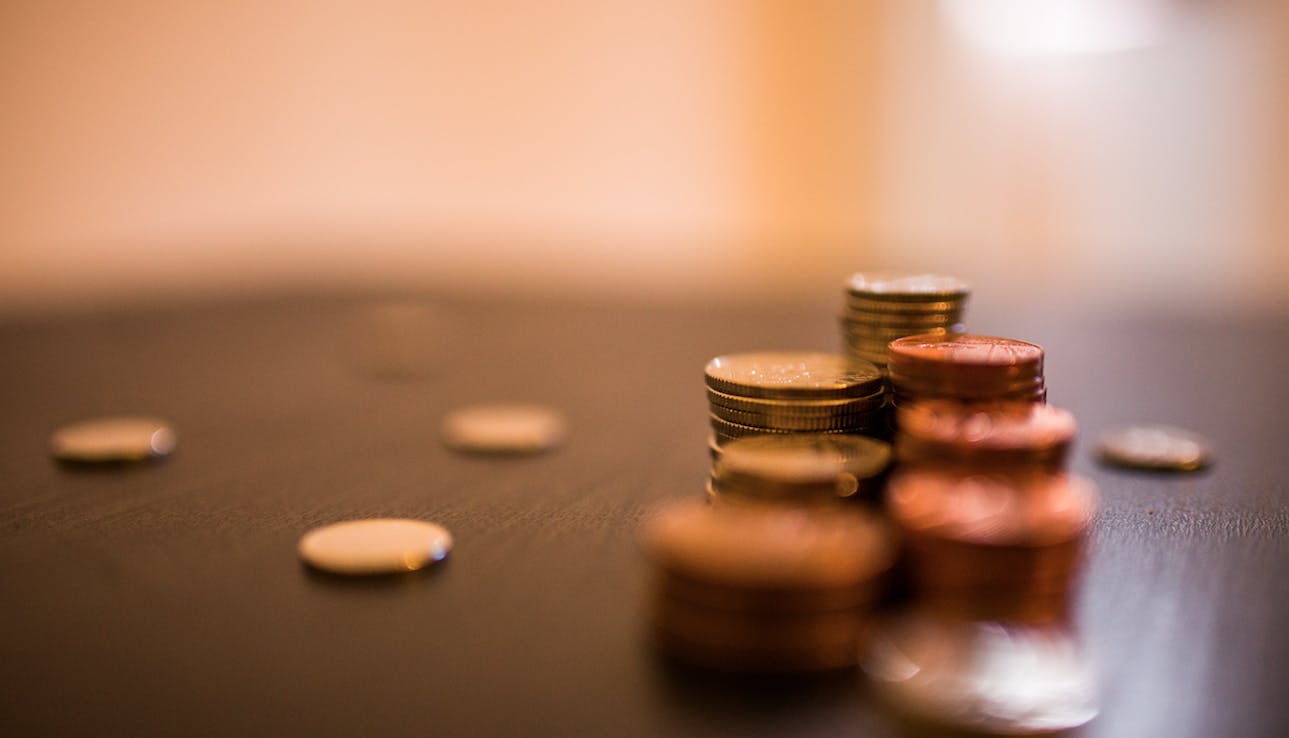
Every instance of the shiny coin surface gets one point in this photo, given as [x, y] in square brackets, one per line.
[786, 420]
[798, 408]
[113, 440]
[990, 434]
[987, 678]
[376, 546]
[896, 286]
[792, 375]
[1161, 447]
[1037, 509]
[966, 353]
[504, 429]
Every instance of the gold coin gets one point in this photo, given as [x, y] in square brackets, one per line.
[792, 375]
[113, 440]
[906, 287]
[375, 546]
[504, 429]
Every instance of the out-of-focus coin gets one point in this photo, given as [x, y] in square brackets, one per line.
[399, 339]
[992, 509]
[113, 440]
[767, 600]
[1161, 447]
[504, 429]
[1020, 434]
[760, 546]
[805, 458]
[985, 677]
[792, 375]
[376, 546]
[907, 287]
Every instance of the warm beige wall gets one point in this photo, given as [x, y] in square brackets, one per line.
[661, 148]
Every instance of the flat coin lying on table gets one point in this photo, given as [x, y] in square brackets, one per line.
[113, 440]
[1154, 447]
[504, 429]
[375, 546]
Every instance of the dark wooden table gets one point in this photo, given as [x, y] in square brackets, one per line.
[168, 599]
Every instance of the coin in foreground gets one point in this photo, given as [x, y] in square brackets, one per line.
[376, 546]
[1160, 447]
[113, 440]
[504, 429]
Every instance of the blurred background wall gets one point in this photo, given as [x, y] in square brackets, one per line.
[1103, 152]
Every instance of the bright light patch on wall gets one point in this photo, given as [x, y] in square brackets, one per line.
[1056, 27]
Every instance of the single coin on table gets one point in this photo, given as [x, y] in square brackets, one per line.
[504, 428]
[1161, 447]
[113, 440]
[375, 546]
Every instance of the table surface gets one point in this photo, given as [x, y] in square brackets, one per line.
[168, 599]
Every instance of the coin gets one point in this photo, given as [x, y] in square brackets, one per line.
[504, 428]
[375, 546]
[767, 600]
[726, 430]
[908, 287]
[792, 375]
[998, 434]
[785, 420]
[981, 678]
[113, 440]
[806, 456]
[763, 547]
[992, 509]
[799, 408]
[1161, 447]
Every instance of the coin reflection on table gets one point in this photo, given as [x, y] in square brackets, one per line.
[1161, 447]
[113, 440]
[987, 677]
[375, 546]
[504, 428]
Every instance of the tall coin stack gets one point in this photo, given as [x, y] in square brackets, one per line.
[881, 307]
[764, 588]
[965, 368]
[782, 393]
[808, 469]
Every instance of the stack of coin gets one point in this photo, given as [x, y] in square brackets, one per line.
[780, 393]
[997, 436]
[799, 469]
[966, 368]
[992, 546]
[764, 588]
[882, 307]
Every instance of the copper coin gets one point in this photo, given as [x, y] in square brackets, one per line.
[992, 509]
[792, 375]
[965, 356]
[785, 548]
[1000, 433]
[113, 440]
[1162, 447]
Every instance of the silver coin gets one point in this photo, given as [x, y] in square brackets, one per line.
[375, 546]
[906, 286]
[792, 375]
[113, 440]
[1154, 447]
[504, 428]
